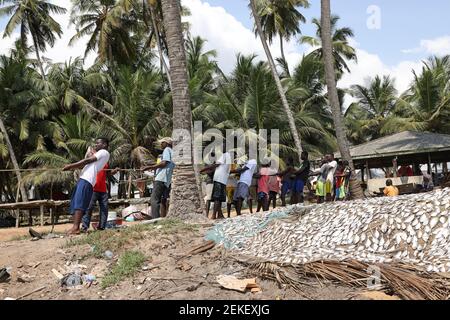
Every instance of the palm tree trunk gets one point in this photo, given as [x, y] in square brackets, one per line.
[14, 162]
[185, 195]
[38, 57]
[283, 56]
[333, 97]
[158, 44]
[284, 101]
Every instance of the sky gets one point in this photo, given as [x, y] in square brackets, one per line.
[391, 37]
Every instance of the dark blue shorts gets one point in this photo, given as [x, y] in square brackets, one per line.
[81, 197]
[286, 186]
[299, 185]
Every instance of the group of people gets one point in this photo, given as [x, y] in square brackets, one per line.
[92, 187]
[225, 182]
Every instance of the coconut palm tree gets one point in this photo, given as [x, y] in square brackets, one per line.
[185, 194]
[329, 63]
[281, 18]
[342, 50]
[33, 17]
[107, 24]
[425, 106]
[371, 114]
[276, 77]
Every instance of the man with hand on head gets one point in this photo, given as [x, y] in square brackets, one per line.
[82, 195]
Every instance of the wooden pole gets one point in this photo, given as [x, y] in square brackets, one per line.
[17, 218]
[42, 215]
[429, 163]
[129, 185]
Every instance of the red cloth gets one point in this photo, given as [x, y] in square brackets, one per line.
[263, 181]
[405, 171]
[100, 182]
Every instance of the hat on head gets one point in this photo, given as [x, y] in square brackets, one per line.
[167, 140]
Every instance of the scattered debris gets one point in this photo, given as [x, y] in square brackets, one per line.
[233, 283]
[184, 266]
[208, 245]
[34, 265]
[30, 293]
[5, 275]
[34, 233]
[89, 278]
[24, 278]
[72, 280]
[57, 274]
[108, 254]
[194, 286]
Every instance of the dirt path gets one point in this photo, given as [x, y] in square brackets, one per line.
[162, 276]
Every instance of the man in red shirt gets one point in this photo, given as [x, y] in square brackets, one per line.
[405, 171]
[101, 195]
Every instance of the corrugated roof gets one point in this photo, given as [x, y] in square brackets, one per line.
[407, 142]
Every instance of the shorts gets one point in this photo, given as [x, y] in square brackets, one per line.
[328, 187]
[298, 187]
[340, 192]
[273, 194]
[208, 191]
[230, 194]
[219, 193]
[320, 188]
[262, 195]
[81, 197]
[166, 193]
[241, 192]
[286, 186]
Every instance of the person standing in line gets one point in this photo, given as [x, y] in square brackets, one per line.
[222, 171]
[286, 181]
[331, 169]
[231, 188]
[301, 177]
[245, 181]
[100, 195]
[163, 180]
[82, 195]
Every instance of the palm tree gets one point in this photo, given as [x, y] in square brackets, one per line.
[276, 77]
[12, 155]
[106, 24]
[342, 51]
[425, 106]
[34, 18]
[333, 97]
[281, 18]
[371, 114]
[185, 193]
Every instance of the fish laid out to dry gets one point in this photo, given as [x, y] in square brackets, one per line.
[411, 229]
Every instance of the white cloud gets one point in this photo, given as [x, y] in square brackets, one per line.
[61, 51]
[370, 65]
[229, 37]
[438, 46]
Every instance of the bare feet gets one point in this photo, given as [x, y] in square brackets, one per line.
[73, 232]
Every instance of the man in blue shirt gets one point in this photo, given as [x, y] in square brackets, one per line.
[163, 180]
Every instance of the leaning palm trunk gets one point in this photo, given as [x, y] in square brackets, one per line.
[284, 101]
[158, 44]
[355, 187]
[185, 194]
[14, 162]
[38, 57]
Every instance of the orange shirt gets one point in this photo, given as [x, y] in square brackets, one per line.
[391, 191]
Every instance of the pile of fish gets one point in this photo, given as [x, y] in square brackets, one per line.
[411, 228]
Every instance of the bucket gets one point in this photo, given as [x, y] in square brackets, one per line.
[112, 216]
